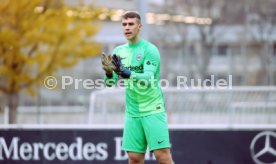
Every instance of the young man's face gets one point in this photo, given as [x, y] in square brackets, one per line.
[131, 27]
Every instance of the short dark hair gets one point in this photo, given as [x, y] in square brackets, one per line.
[131, 14]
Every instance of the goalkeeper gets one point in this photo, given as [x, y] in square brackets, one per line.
[138, 62]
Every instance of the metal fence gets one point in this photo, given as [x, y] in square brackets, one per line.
[215, 107]
[238, 105]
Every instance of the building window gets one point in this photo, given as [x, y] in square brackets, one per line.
[192, 50]
[222, 50]
[106, 48]
[274, 49]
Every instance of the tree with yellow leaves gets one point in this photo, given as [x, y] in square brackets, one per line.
[39, 37]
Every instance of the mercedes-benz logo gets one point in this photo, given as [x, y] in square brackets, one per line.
[267, 139]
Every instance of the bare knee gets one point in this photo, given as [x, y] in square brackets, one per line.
[135, 158]
[163, 156]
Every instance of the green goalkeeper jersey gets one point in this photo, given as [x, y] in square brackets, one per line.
[143, 92]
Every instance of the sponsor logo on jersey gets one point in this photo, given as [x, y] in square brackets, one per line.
[150, 63]
[135, 68]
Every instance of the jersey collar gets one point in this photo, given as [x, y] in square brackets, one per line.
[136, 44]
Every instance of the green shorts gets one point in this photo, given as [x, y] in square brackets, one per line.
[151, 131]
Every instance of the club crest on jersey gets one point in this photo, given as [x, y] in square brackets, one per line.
[139, 57]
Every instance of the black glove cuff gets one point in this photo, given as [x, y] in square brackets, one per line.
[109, 75]
[126, 73]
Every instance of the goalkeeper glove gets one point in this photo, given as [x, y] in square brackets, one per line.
[119, 69]
[107, 65]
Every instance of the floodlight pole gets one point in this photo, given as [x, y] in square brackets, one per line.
[142, 9]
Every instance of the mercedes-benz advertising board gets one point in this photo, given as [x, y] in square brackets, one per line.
[103, 146]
